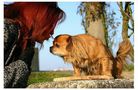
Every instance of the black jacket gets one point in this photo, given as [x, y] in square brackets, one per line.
[17, 63]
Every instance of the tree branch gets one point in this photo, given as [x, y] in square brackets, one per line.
[130, 34]
[124, 13]
[131, 28]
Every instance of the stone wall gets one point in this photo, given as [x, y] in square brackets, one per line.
[117, 83]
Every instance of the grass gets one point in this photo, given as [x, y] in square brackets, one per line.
[128, 67]
[128, 74]
[47, 76]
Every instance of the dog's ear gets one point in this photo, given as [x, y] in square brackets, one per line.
[70, 44]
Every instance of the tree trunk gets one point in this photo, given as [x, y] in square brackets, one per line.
[96, 29]
[95, 21]
[125, 35]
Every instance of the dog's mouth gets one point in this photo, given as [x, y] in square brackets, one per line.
[53, 52]
[58, 54]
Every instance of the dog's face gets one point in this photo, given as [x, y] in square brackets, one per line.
[60, 44]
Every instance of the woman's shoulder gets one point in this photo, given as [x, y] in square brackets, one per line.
[11, 33]
[11, 26]
[11, 29]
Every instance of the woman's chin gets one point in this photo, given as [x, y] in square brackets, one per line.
[40, 39]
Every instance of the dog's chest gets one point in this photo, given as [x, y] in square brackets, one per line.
[90, 67]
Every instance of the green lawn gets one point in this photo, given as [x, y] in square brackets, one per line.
[37, 77]
[47, 76]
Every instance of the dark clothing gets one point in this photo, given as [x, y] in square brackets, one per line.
[11, 31]
[16, 74]
[17, 63]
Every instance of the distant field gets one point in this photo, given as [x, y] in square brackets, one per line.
[37, 77]
[47, 76]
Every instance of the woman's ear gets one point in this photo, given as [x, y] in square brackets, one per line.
[70, 44]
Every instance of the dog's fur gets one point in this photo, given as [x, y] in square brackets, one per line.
[89, 55]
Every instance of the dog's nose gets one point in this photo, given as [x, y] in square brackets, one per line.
[51, 49]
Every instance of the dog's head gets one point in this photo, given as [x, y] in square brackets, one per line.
[60, 45]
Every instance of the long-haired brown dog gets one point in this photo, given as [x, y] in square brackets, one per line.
[90, 56]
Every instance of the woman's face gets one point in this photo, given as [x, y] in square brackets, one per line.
[40, 37]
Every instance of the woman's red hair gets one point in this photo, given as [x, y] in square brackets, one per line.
[37, 19]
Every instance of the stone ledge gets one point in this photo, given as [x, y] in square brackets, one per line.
[117, 83]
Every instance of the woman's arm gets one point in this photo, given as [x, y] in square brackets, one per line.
[17, 71]
[11, 33]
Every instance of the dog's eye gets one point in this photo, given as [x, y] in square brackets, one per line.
[57, 45]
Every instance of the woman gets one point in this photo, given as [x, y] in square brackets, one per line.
[24, 24]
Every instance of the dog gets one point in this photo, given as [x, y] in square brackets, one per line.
[89, 56]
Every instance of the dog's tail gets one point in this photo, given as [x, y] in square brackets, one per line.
[118, 63]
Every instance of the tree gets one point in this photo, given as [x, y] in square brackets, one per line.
[127, 17]
[97, 21]
[93, 14]
[102, 24]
